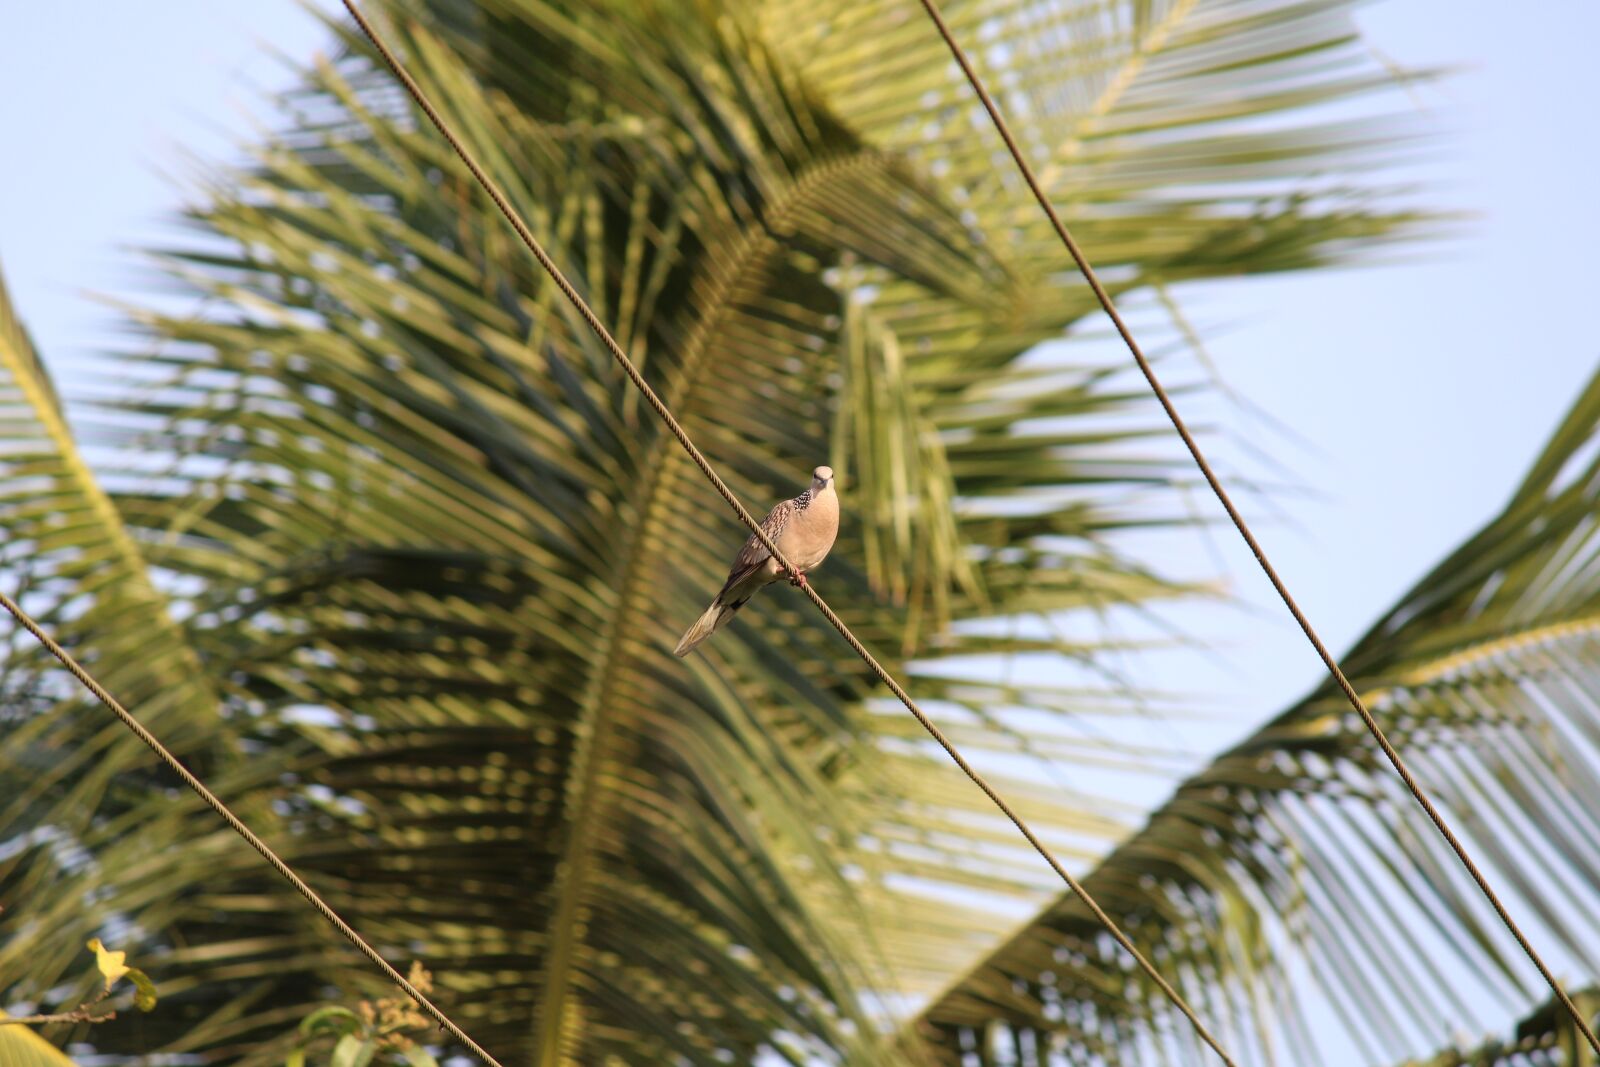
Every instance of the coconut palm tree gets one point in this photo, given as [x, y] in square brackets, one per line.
[382, 545]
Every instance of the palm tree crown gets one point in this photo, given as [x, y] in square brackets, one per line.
[405, 585]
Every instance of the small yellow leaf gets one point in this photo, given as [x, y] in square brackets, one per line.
[110, 963]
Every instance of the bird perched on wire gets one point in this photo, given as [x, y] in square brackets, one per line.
[803, 529]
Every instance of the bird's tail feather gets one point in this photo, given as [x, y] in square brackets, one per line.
[709, 623]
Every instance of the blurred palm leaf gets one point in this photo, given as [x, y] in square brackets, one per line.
[80, 792]
[431, 552]
[1546, 1035]
[1295, 882]
[21, 1047]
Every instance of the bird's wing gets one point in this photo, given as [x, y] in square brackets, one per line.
[754, 554]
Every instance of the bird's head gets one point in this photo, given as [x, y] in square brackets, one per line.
[821, 478]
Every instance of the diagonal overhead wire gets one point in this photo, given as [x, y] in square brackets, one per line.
[628, 367]
[82, 675]
[1244, 528]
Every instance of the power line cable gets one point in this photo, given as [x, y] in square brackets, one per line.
[700, 461]
[1244, 528]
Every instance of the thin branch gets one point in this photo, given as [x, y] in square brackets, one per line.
[76, 1015]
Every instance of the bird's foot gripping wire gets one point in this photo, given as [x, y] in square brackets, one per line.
[798, 580]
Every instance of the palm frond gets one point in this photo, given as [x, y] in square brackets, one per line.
[22, 1047]
[1155, 125]
[70, 774]
[1298, 854]
[1547, 1033]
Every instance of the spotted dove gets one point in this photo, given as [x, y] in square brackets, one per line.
[803, 529]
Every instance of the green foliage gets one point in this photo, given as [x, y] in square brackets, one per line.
[405, 587]
[384, 1030]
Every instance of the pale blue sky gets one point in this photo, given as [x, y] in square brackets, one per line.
[1425, 388]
